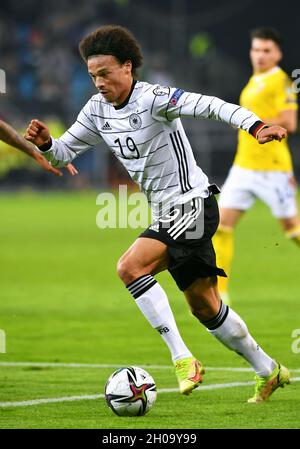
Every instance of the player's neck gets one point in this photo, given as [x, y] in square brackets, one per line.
[272, 69]
[123, 100]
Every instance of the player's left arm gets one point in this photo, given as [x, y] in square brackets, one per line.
[178, 103]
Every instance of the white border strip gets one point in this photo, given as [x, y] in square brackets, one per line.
[99, 396]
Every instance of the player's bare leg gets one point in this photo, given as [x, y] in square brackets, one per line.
[224, 246]
[136, 268]
[145, 256]
[229, 328]
[291, 227]
[203, 298]
[230, 217]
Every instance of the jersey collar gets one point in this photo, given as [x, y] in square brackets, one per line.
[125, 102]
[267, 73]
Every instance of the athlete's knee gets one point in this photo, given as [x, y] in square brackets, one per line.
[124, 269]
[203, 312]
[127, 270]
[206, 306]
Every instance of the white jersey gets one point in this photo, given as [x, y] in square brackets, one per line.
[147, 136]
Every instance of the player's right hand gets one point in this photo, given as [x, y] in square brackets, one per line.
[273, 132]
[37, 133]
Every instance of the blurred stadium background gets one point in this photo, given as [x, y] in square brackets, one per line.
[199, 46]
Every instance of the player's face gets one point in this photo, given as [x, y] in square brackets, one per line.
[264, 54]
[112, 78]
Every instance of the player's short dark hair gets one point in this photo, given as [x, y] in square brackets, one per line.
[267, 33]
[112, 40]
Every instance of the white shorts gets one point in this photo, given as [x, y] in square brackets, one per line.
[274, 188]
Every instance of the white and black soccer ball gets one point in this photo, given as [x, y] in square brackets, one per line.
[130, 391]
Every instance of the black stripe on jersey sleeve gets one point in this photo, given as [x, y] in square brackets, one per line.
[197, 104]
[87, 116]
[68, 146]
[166, 112]
[241, 125]
[155, 96]
[209, 111]
[92, 131]
[80, 140]
[167, 107]
[183, 103]
[234, 113]
[220, 111]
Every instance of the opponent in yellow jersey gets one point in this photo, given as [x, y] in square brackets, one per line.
[268, 94]
[261, 172]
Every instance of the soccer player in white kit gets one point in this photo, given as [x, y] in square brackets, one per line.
[140, 123]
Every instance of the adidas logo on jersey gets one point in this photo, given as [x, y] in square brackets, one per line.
[106, 127]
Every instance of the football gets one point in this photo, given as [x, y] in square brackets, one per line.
[130, 391]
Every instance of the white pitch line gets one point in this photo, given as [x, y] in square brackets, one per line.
[79, 365]
[114, 365]
[98, 396]
[50, 400]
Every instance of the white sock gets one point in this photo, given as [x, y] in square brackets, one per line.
[231, 330]
[153, 303]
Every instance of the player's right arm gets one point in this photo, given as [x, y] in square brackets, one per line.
[170, 103]
[81, 136]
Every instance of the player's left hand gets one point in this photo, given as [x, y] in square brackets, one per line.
[274, 132]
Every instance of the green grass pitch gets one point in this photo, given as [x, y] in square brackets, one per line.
[62, 302]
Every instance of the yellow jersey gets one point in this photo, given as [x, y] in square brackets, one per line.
[266, 94]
